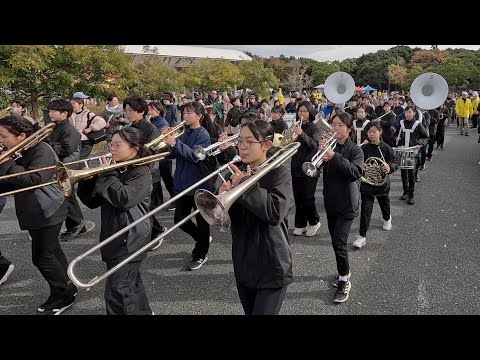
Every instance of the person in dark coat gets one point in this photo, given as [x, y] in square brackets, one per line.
[123, 194]
[66, 142]
[342, 169]
[41, 212]
[309, 135]
[278, 124]
[376, 148]
[261, 253]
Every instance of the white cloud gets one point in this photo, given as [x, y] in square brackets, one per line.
[322, 52]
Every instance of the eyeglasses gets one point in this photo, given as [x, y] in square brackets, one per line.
[248, 143]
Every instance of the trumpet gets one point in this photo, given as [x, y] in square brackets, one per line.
[311, 168]
[212, 150]
[158, 144]
[214, 208]
[29, 142]
[154, 242]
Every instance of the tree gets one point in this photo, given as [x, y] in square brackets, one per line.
[278, 67]
[322, 70]
[40, 71]
[373, 69]
[397, 75]
[298, 79]
[428, 58]
[154, 78]
[455, 71]
[257, 77]
[213, 74]
[349, 66]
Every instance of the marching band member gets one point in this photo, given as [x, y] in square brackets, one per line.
[278, 124]
[261, 253]
[342, 169]
[375, 148]
[359, 126]
[410, 133]
[188, 171]
[39, 212]
[306, 216]
[6, 266]
[123, 195]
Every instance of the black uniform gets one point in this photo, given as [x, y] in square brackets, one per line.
[124, 196]
[341, 194]
[369, 192]
[304, 186]
[261, 253]
[42, 213]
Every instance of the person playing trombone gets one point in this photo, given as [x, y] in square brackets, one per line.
[40, 212]
[261, 253]
[123, 195]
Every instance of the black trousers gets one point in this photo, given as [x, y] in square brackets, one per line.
[408, 178]
[423, 155]
[474, 120]
[304, 195]
[48, 257]
[85, 149]
[431, 142]
[74, 215]
[367, 207]
[339, 228]
[166, 175]
[440, 136]
[124, 291]
[200, 232]
[154, 203]
[261, 301]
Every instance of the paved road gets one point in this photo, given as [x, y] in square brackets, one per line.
[427, 264]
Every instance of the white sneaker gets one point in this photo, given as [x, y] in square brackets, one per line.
[299, 231]
[156, 246]
[360, 241]
[387, 225]
[312, 229]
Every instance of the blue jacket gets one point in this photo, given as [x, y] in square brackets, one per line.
[188, 169]
[159, 122]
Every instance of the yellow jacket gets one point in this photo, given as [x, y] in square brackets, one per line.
[464, 108]
[475, 105]
[281, 99]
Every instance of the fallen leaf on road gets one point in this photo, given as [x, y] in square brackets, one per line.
[454, 225]
[359, 303]
[445, 245]
[298, 253]
[426, 220]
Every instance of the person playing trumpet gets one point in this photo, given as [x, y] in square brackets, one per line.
[342, 169]
[376, 148]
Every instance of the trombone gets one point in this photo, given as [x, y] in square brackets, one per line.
[212, 150]
[29, 142]
[158, 239]
[214, 208]
[311, 168]
[158, 144]
[5, 111]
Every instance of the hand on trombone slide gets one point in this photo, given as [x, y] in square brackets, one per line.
[236, 178]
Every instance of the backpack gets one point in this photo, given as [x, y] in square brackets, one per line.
[95, 136]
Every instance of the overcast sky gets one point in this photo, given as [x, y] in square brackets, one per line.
[322, 52]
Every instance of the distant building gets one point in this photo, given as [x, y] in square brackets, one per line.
[181, 57]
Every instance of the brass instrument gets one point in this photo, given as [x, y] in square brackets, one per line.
[214, 208]
[154, 242]
[67, 178]
[5, 112]
[212, 150]
[158, 144]
[373, 173]
[29, 142]
[287, 136]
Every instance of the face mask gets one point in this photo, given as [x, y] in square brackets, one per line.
[17, 111]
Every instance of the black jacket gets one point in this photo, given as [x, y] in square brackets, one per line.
[150, 132]
[27, 204]
[309, 139]
[418, 137]
[341, 184]
[124, 196]
[279, 126]
[65, 141]
[261, 251]
[372, 150]
[387, 122]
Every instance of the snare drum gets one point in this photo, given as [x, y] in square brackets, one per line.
[405, 157]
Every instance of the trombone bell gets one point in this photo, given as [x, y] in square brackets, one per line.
[212, 209]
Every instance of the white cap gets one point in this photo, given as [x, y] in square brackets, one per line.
[464, 93]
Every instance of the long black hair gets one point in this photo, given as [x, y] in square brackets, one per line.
[205, 121]
[311, 112]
